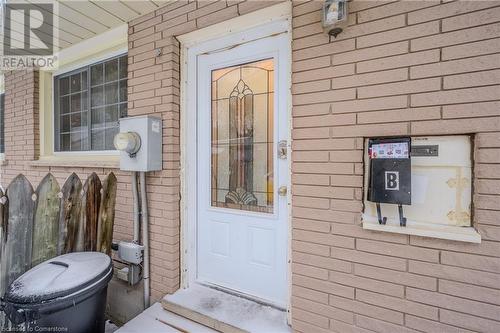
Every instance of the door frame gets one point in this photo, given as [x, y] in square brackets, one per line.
[243, 29]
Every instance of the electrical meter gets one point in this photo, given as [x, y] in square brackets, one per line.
[140, 143]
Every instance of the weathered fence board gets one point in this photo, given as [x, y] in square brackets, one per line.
[37, 226]
[69, 216]
[3, 239]
[16, 254]
[46, 220]
[3, 234]
[90, 201]
[107, 214]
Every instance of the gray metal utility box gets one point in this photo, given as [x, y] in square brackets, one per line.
[149, 155]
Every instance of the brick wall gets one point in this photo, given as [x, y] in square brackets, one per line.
[22, 136]
[22, 147]
[154, 88]
[400, 68]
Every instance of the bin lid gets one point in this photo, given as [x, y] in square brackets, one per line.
[58, 277]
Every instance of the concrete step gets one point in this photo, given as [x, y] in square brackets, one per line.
[225, 312]
[156, 320]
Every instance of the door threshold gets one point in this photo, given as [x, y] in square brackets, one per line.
[225, 312]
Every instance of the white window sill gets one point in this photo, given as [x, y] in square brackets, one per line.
[462, 234]
[89, 161]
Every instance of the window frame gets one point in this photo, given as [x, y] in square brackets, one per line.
[67, 71]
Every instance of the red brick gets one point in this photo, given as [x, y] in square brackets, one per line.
[361, 283]
[454, 303]
[398, 88]
[425, 325]
[485, 279]
[468, 291]
[325, 262]
[324, 309]
[455, 126]
[399, 115]
[456, 96]
[471, 110]
[396, 250]
[455, 37]
[324, 286]
[471, 261]
[370, 53]
[370, 78]
[446, 10]
[402, 278]
[455, 67]
[366, 309]
[393, 8]
[405, 60]
[468, 321]
[397, 304]
[396, 35]
[471, 49]
[369, 259]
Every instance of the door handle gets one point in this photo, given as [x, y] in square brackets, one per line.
[282, 191]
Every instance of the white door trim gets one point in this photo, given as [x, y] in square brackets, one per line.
[260, 24]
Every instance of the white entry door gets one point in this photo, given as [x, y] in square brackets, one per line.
[243, 175]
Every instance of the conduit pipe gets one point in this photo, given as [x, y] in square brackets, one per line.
[145, 237]
[135, 197]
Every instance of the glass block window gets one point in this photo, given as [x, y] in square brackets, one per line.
[2, 123]
[88, 103]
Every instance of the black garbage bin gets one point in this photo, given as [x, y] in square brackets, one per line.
[63, 294]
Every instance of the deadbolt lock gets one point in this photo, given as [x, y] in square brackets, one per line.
[282, 191]
[282, 150]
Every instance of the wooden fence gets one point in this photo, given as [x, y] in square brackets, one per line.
[38, 225]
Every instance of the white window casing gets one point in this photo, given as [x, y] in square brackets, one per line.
[107, 45]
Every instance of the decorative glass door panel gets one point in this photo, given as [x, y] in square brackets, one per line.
[242, 158]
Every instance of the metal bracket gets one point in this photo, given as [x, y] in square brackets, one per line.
[381, 220]
[402, 219]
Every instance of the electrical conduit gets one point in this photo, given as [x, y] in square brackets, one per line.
[135, 196]
[145, 237]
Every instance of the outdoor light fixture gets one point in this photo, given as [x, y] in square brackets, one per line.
[334, 16]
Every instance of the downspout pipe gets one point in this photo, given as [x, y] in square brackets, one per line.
[145, 237]
[135, 197]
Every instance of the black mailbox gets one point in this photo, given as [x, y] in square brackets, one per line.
[390, 173]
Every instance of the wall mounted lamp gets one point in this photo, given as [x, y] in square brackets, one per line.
[334, 17]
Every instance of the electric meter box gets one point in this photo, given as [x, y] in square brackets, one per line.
[149, 155]
[390, 170]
